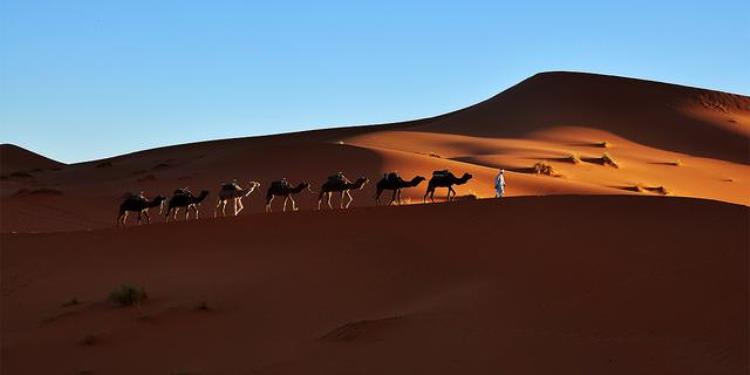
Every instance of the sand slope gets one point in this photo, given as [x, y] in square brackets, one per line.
[567, 284]
[17, 159]
[666, 139]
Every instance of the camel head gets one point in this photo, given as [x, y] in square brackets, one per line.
[417, 180]
[361, 182]
[465, 178]
[251, 187]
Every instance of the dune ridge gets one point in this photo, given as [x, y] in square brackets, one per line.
[666, 140]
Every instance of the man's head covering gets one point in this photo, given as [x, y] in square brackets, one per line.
[502, 171]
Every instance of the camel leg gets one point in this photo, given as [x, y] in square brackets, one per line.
[341, 201]
[350, 199]
[148, 218]
[432, 196]
[124, 217]
[224, 208]
[426, 193]
[197, 211]
[176, 210]
[216, 209]
[320, 198]
[138, 222]
[329, 199]
[294, 204]
[187, 212]
[238, 206]
[286, 199]
[268, 203]
[450, 190]
[393, 197]
[377, 197]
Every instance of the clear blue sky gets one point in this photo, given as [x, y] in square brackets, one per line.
[88, 79]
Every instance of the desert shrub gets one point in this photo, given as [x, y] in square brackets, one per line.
[434, 155]
[607, 159]
[544, 168]
[573, 159]
[659, 190]
[636, 188]
[127, 295]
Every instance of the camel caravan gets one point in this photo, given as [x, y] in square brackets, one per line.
[183, 198]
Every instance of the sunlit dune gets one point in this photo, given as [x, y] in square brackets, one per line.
[620, 247]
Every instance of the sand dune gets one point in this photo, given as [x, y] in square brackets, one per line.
[14, 159]
[634, 266]
[567, 284]
[667, 139]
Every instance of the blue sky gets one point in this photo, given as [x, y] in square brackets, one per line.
[81, 80]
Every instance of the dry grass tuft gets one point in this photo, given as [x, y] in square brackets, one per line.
[607, 159]
[573, 159]
[127, 295]
[658, 190]
[544, 168]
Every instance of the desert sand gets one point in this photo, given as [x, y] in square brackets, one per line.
[637, 267]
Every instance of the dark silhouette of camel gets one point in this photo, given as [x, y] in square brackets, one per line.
[187, 200]
[137, 203]
[235, 193]
[395, 183]
[343, 186]
[283, 189]
[444, 179]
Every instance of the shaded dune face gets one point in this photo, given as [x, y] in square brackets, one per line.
[664, 140]
[592, 284]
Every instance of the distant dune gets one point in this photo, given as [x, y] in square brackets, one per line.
[666, 140]
[15, 159]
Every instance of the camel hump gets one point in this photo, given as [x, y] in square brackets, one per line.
[279, 184]
[441, 173]
[182, 191]
[230, 187]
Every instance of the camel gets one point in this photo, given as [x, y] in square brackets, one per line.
[395, 183]
[444, 179]
[283, 189]
[186, 199]
[235, 193]
[343, 186]
[137, 203]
